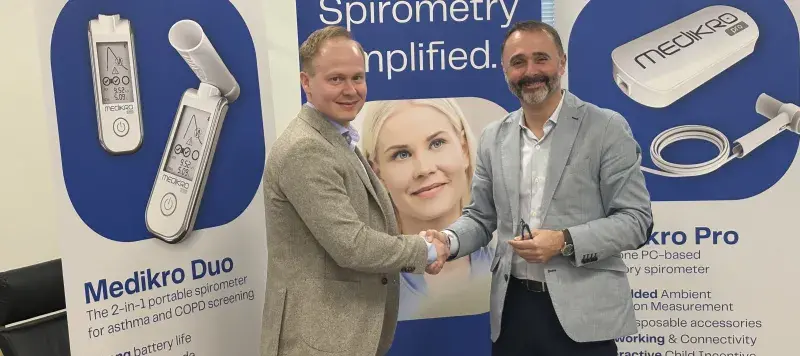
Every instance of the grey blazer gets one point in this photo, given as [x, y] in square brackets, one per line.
[594, 187]
[334, 249]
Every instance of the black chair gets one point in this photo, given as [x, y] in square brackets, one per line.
[32, 298]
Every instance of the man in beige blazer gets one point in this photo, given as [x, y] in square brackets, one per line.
[334, 249]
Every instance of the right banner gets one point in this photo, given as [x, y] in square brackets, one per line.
[710, 89]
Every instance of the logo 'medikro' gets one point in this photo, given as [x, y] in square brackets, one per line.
[174, 181]
[726, 23]
[118, 107]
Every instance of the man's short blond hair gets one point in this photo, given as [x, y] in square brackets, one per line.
[311, 46]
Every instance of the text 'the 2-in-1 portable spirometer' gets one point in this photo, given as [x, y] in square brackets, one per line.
[116, 84]
[181, 178]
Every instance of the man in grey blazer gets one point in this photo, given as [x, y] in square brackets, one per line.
[334, 249]
[559, 180]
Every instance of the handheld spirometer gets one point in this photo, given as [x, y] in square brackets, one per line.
[182, 174]
[116, 84]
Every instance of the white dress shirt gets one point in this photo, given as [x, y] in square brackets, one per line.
[534, 156]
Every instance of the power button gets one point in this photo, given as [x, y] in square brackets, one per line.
[168, 203]
[121, 127]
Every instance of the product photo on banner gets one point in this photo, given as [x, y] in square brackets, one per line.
[141, 92]
[709, 89]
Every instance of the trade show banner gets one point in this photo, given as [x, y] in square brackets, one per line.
[709, 89]
[160, 120]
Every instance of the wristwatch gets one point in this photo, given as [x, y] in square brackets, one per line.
[450, 237]
[568, 249]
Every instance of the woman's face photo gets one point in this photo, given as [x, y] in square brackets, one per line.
[422, 161]
[425, 160]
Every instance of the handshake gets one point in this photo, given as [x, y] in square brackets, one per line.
[537, 246]
[442, 244]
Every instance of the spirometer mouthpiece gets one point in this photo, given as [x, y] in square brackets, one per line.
[768, 106]
[188, 38]
[772, 109]
[780, 116]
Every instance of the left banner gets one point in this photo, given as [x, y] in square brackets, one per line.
[160, 121]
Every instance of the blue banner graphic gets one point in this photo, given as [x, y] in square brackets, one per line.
[110, 193]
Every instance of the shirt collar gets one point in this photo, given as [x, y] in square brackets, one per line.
[552, 120]
[348, 132]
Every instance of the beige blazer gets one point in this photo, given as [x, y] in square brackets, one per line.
[334, 253]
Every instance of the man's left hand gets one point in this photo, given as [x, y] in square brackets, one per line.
[541, 247]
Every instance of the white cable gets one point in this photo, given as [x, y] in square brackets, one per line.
[780, 116]
[688, 132]
[742, 147]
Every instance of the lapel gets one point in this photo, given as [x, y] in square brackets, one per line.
[314, 118]
[510, 158]
[564, 133]
[382, 196]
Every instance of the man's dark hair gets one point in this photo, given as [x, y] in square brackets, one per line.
[533, 26]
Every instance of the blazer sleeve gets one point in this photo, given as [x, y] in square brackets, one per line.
[478, 220]
[629, 220]
[308, 178]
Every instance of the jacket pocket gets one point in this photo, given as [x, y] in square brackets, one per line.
[612, 263]
[329, 313]
[578, 165]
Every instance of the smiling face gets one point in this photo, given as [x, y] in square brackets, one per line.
[533, 66]
[336, 85]
[422, 161]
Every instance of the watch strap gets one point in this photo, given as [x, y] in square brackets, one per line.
[567, 236]
[568, 249]
[452, 242]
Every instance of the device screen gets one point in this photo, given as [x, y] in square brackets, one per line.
[188, 143]
[115, 72]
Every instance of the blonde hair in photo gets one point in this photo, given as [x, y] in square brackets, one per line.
[376, 113]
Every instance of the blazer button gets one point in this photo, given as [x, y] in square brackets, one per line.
[506, 277]
[384, 280]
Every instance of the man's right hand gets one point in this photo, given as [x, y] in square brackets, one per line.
[441, 242]
[436, 235]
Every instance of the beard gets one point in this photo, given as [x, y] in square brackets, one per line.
[538, 95]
